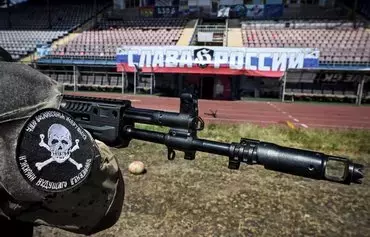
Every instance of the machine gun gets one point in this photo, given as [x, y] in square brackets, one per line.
[113, 122]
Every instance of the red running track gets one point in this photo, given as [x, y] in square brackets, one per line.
[262, 113]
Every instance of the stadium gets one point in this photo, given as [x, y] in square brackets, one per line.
[302, 64]
[99, 47]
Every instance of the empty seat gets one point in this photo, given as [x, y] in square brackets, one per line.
[110, 34]
[30, 25]
[113, 81]
[90, 79]
[341, 44]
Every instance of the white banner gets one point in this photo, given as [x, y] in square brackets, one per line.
[196, 59]
[223, 12]
[205, 36]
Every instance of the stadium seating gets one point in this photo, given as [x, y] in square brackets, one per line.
[30, 26]
[338, 42]
[110, 34]
[20, 43]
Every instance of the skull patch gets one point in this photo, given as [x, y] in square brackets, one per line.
[59, 141]
[59, 145]
[54, 153]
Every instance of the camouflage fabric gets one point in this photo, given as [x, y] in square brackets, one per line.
[93, 206]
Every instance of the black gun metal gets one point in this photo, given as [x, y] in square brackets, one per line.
[113, 122]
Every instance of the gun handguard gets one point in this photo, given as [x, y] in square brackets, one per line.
[113, 122]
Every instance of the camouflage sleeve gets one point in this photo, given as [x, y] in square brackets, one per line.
[111, 166]
[93, 207]
[40, 184]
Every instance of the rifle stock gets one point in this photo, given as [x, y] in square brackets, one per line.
[113, 122]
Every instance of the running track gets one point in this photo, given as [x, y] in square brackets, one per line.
[262, 113]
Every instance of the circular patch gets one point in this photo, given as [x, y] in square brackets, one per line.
[54, 153]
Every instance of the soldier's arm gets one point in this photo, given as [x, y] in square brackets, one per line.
[81, 192]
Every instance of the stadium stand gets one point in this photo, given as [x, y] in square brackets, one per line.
[86, 59]
[29, 24]
[110, 34]
[20, 43]
[338, 42]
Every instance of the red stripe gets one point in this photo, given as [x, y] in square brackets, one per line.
[223, 70]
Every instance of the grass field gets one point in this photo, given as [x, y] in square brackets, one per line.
[204, 198]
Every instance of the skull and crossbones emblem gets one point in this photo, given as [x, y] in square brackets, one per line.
[60, 146]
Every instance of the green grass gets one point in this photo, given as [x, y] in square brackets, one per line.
[204, 198]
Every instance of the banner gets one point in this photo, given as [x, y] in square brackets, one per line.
[231, 2]
[42, 50]
[238, 10]
[163, 3]
[146, 11]
[267, 62]
[205, 36]
[183, 6]
[255, 11]
[274, 2]
[166, 11]
[118, 4]
[223, 12]
[273, 10]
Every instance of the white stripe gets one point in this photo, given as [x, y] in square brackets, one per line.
[296, 120]
[304, 125]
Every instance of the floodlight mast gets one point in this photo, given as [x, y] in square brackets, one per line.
[113, 122]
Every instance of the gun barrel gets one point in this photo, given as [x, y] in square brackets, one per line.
[308, 163]
[298, 162]
[179, 143]
[161, 118]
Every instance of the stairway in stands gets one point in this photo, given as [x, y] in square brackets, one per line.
[215, 29]
[187, 33]
[234, 33]
[64, 40]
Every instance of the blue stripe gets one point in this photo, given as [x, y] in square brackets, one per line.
[254, 61]
[268, 62]
[124, 58]
[310, 62]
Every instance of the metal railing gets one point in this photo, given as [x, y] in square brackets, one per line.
[193, 37]
[219, 32]
[226, 33]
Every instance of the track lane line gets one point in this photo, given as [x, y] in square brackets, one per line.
[289, 115]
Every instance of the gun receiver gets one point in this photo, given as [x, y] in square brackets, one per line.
[113, 122]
